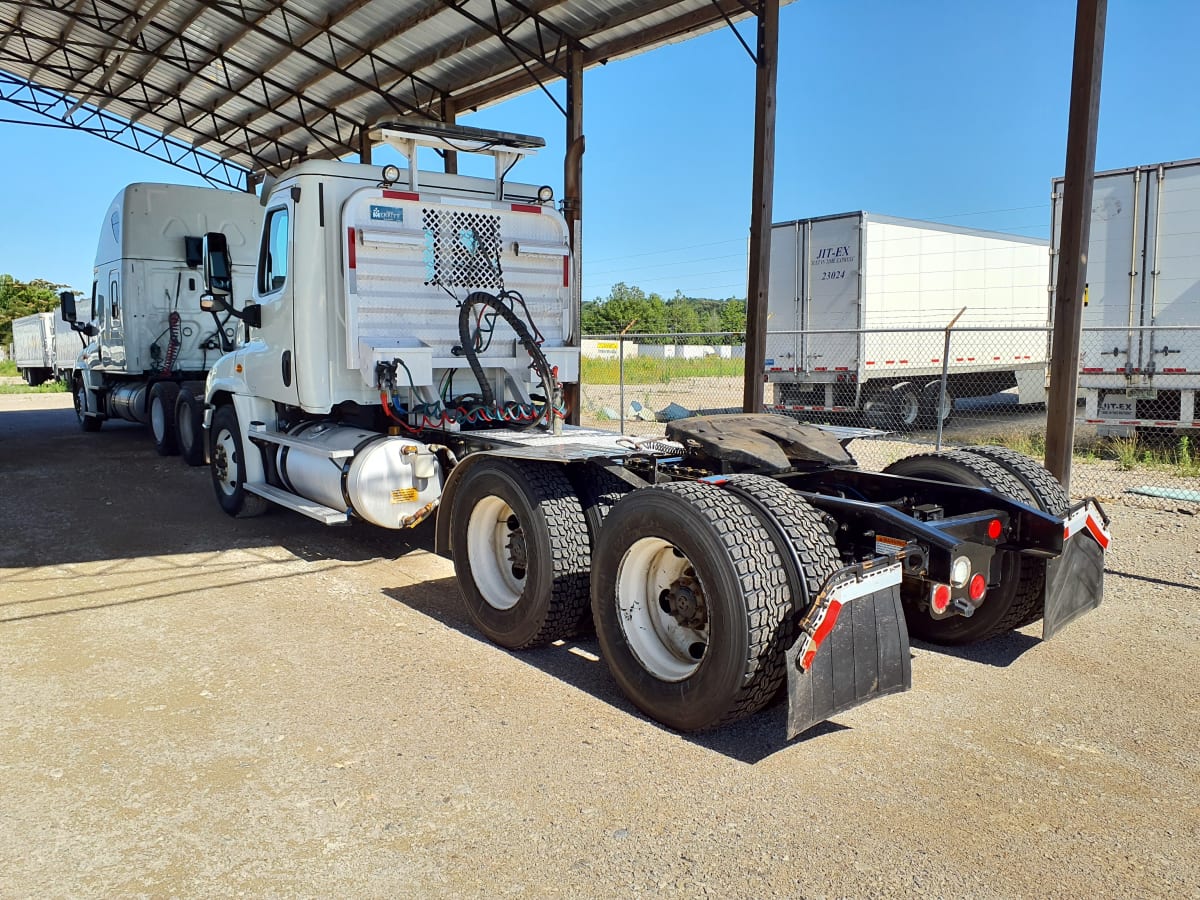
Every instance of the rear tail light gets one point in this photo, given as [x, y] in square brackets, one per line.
[939, 598]
[977, 588]
[994, 529]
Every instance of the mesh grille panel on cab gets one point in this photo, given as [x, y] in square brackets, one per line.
[466, 249]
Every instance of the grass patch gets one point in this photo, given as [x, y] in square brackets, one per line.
[8, 367]
[644, 370]
[50, 387]
[1174, 455]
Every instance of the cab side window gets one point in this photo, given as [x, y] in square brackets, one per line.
[273, 260]
[116, 300]
[95, 307]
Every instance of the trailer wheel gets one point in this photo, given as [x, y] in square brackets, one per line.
[1007, 604]
[598, 491]
[228, 467]
[893, 407]
[520, 551]
[189, 424]
[932, 403]
[79, 396]
[1043, 490]
[689, 599]
[162, 417]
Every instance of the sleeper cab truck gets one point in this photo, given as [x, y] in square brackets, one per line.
[148, 344]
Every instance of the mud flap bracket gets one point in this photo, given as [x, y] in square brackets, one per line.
[1075, 579]
[853, 647]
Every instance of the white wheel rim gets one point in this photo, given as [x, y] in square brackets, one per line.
[224, 451]
[488, 537]
[666, 648]
[158, 418]
[909, 407]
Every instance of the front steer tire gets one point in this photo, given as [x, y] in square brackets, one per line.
[228, 469]
[665, 553]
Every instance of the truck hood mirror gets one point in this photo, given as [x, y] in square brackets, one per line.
[218, 267]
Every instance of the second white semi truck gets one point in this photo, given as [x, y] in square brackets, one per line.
[857, 307]
[409, 337]
[150, 344]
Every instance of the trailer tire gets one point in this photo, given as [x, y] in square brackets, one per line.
[228, 471]
[598, 491]
[189, 424]
[893, 407]
[693, 550]
[1009, 603]
[161, 411]
[79, 396]
[520, 551]
[930, 396]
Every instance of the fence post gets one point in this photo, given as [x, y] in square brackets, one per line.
[621, 375]
[941, 404]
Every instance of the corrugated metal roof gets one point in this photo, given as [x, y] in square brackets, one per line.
[266, 83]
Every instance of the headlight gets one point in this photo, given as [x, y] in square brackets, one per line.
[545, 193]
[391, 174]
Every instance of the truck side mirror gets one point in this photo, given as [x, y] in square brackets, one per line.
[67, 300]
[252, 315]
[218, 268]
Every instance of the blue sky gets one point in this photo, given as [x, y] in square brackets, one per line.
[951, 111]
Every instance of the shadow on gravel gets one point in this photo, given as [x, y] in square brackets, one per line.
[1150, 579]
[1000, 652]
[577, 663]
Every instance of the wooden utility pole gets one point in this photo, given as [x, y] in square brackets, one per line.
[761, 202]
[1074, 235]
[572, 206]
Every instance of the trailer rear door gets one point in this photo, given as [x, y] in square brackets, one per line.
[832, 284]
[1171, 288]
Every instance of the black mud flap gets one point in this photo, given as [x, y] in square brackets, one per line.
[861, 654]
[1075, 579]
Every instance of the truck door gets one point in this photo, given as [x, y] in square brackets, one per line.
[831, 281]
[1171, 285]
[1114, 270]
[274, 291]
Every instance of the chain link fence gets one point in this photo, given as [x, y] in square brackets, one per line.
[1137, 426]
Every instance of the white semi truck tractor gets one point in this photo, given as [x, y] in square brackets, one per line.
[149, 344]
[409, 337]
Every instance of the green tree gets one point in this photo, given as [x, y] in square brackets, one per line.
[733, 316]
[24, 298]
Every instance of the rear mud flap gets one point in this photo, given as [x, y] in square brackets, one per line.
[862, 655]
[1075, 579]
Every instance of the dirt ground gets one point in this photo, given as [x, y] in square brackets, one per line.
[196, 706]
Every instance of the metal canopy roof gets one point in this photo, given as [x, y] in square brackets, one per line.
[227, 88]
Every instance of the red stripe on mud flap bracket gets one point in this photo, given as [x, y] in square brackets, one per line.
[525, 207]
[824, 626]
[400, 195]
[852, 586]
[352, 252]
[1097, 531]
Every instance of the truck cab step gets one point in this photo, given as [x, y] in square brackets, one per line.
[326, 515]
[259, 433]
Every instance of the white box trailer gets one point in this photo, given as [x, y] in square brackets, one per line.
[33, 347]
[1140, 352]
[151, 346]
[850, 292]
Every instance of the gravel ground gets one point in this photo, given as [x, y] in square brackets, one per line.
[196, 706]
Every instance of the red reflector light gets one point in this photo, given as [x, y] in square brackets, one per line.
[994, 529]
[939, 597]
[977, 587]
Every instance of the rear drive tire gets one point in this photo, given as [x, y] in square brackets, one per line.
[189, 424]
[228, 467]
[520, 551]
[162, 417]
[79, 396]
[598, 491]
[1008, 603]
[689, 601]
[1044, 491]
